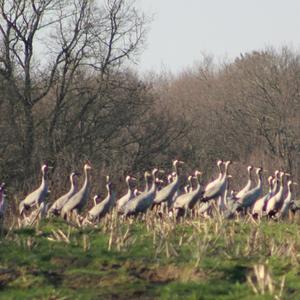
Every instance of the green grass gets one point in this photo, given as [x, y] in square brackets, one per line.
[208, 259]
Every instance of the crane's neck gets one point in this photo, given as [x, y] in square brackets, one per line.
[289, 189]
[198, 186]
[220, 171]
[271, 188]
[259, 180]
[129, 189]
[176, 168]
[74, 184]
[147, 186]
[86, 179]
[108, 189]
[226, 170]
[44, 183]
[281, 186]
[275, 187]
[249, 175]
[1, 198]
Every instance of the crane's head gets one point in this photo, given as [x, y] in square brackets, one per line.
[228, 162]
[259, 170]
[220, 162]
[74, 177]
[277, 173]
[197, 173]
[87, 166]
[154, 172]
[136, 192]
[270, 180]
[2, 186]
[290, 182]
[250, 168]
[147, 174]
[177, 162]
[170, 177]
[44, 168]
[96, 198]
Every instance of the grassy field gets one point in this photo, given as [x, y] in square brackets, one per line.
[151, 259]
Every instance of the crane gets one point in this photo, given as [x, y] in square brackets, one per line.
[283, 213]
[247, 187]
[78, 200]
[167, 192]
[60, 202]
[275, 200]
[188, 200]
[102, 208]
[142, 202]
[218, 186]
[127, 197]
[258, 207]
[249, 198]
[38, 196]
[216, 181]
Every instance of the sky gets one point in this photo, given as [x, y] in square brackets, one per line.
[183, 30]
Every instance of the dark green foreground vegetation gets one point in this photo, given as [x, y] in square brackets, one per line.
[208, 259]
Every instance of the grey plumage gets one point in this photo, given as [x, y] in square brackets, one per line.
[188, 200]
[38, 196]
[218, 186]
[142, 202]
[78, 200]
[102, 208]
[167, 192]
[247, 187]
[121, 203]
[283, 213]
[249, 198]
[275, 200]
[259, 205]
[61, 201]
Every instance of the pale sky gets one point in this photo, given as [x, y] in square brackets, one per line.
[183, 29]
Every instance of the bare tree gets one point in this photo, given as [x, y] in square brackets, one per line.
[46, 44]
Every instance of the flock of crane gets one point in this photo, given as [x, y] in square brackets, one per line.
[170, 199]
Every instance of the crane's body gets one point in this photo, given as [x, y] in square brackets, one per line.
[38, 196]
[142, 202]
[258, 206]
[283, 213]
[121, 203]
[249, 198]
[275, 200]
[167, 192]
[78, 200]
[247, 187]
[188, 200]
[218, 186]
[102, 208]
[60, 202]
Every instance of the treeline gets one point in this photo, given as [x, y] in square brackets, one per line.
[67, 95]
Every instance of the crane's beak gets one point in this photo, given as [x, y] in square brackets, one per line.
[161, 171]
[133, 178]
